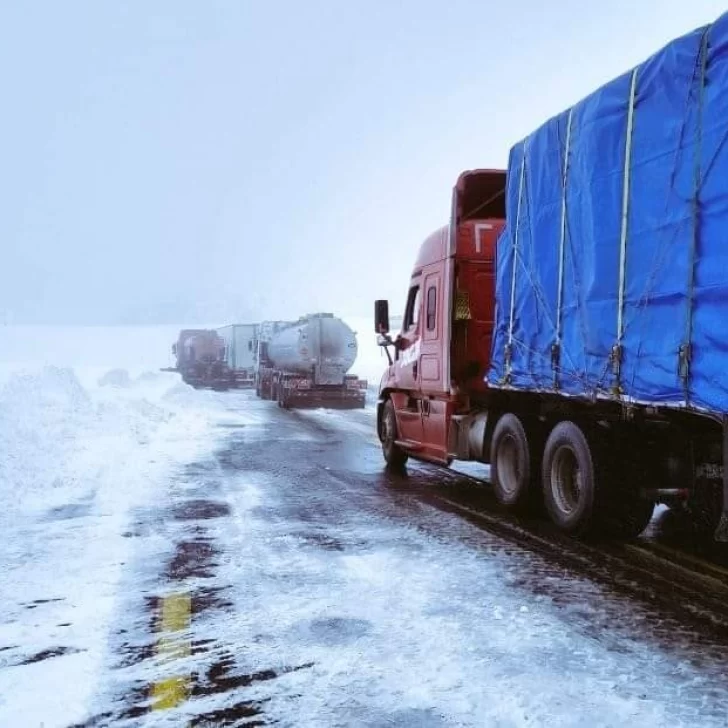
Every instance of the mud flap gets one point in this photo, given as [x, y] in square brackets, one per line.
[721, 533]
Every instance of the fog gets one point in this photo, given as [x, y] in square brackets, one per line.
[218, 161]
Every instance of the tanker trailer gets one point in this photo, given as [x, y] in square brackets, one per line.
[306, 363]
[201, 360]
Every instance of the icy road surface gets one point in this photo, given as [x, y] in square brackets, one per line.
[173, 557]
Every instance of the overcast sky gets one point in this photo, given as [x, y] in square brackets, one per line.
[173, 161]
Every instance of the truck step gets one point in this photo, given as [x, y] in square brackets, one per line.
[410, 445]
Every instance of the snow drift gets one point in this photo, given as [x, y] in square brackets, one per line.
[76, 462]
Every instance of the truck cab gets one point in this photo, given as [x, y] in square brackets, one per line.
[441, 355]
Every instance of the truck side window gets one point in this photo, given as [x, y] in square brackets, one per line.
[412, 312]
[431, 308]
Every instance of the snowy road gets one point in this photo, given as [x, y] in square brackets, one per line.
[269, 571]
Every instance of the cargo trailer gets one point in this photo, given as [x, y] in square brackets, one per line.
[239, 353]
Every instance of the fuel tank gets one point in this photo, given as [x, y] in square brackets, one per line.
[319, 344]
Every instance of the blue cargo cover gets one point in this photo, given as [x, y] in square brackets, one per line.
[617, 220]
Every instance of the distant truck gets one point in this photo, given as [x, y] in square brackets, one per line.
[240, 341]
[306, 362]
[568, 326]
[201, 359]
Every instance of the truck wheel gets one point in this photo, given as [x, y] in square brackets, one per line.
[569, 483]
[393, 454]
[510, 462]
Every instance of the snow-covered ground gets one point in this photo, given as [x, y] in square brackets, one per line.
[83, 442]
[350, 603]
[152, 531]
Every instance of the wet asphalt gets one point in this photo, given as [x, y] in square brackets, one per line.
[193, 631]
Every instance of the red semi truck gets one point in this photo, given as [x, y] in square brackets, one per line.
[568, 326]
[599, 464]
[200, 355]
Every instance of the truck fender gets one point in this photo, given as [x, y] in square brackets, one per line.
[479, 436]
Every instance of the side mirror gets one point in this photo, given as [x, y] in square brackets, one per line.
[381, 317]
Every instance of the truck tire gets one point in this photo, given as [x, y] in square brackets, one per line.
[510, 463]
[592, 489]
[394, 456]
[569, 482]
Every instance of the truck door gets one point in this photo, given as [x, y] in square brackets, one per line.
[431, 380]
[430, 375]
[407, 367]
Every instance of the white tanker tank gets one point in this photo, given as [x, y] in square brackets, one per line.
[320, 344]
[309, 359]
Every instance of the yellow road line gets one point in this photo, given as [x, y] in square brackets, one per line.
[170, 693]
[174, 616]
[175, 612]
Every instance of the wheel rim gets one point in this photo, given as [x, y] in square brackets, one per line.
[509, 474]
[566, 480]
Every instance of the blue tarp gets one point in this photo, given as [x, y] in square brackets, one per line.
[672, 348]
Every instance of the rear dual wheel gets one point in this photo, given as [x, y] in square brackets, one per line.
[511, 463]
[590, 484]
[569, 485]
[590, 488]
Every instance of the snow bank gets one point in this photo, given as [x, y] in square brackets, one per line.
[77, 461]
[41, 418]
[115, 378]
[91, 351]
[50, 425]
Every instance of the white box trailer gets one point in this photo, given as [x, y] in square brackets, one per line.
[240, 352]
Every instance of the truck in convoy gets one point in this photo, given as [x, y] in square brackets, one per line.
[239, 353]
[306, 363]
[568, 326]
[200, 359]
